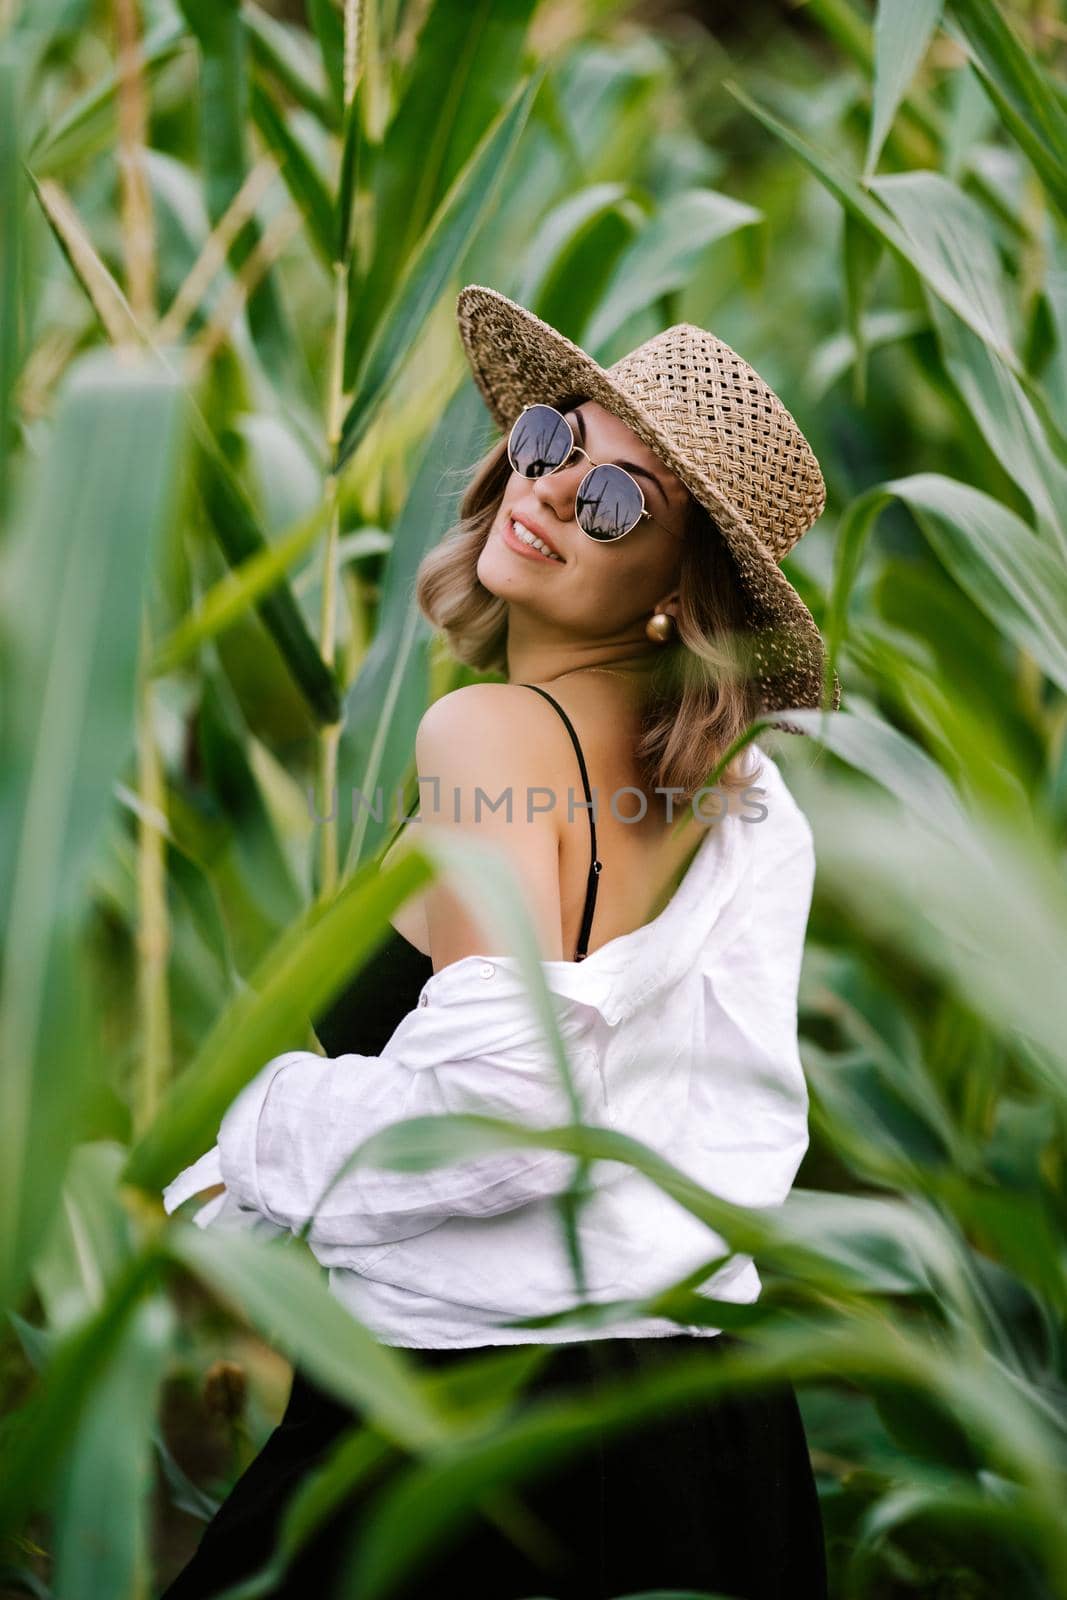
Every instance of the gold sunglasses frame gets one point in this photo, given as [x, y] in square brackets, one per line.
[644, 512]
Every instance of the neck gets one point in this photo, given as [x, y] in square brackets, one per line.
[540, 660]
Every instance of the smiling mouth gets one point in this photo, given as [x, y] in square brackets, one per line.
[518, 532]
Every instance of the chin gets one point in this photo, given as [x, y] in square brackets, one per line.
[490, 573]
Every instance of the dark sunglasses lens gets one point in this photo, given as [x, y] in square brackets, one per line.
[540, 442]
[608, 503]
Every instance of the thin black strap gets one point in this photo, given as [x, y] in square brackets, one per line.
[595, 865]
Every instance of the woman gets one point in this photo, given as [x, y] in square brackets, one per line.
[617, 561]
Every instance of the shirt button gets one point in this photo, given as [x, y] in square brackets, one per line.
[487, 969]
[424, 999]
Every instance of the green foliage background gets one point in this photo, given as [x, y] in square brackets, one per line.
[233, 408]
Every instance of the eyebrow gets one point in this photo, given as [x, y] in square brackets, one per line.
[631, 466]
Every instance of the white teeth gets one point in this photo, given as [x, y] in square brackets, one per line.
[531, 538]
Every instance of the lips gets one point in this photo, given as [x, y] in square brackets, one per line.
[532, 527]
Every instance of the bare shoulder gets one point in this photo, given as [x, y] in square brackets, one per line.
[481, 757]
[474, 703]
[495, 729]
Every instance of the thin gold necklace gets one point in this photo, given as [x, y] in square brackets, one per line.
[611, 674]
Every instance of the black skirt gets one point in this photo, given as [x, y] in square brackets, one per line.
[719, 1498]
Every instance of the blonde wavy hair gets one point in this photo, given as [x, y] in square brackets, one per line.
[698, 700]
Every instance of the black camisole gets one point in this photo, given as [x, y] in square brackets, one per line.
[366, 1014]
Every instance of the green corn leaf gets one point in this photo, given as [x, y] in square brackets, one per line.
[663, 256]
[223, 107]
[300, 974]
[230, 598]
[280, 1290]
[74, 589]
[41, 1435]
[285, 53]
[998, 561]
[447, 239]
[12, 201]
[242, 539]
[1026, 98]
[938, 272]
[328, 25]
[571, 255]
[90, 1242]
[89, 125]
[1009, 422]
[302, 178]
[902, 31]
[101, 1511]
[389, 695]
[432, 138]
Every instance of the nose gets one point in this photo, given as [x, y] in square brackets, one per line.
[560, 489]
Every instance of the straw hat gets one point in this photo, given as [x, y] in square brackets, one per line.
[710, 418]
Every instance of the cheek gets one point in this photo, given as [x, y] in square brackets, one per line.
[654, 571]
[614, 583]
[513, 492]
[490, 547]
[661, 567]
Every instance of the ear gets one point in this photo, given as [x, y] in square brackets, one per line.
[669, 603]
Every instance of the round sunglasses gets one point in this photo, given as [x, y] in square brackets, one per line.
[609, 502]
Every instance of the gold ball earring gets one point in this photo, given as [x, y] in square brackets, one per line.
[660, 627]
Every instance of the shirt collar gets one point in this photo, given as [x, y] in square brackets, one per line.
[631, 969]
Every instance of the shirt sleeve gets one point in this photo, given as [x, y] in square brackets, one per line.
[475, 1046]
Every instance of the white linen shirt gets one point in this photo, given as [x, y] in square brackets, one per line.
[682, 1034]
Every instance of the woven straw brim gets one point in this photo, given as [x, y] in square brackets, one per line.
[517, 359]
